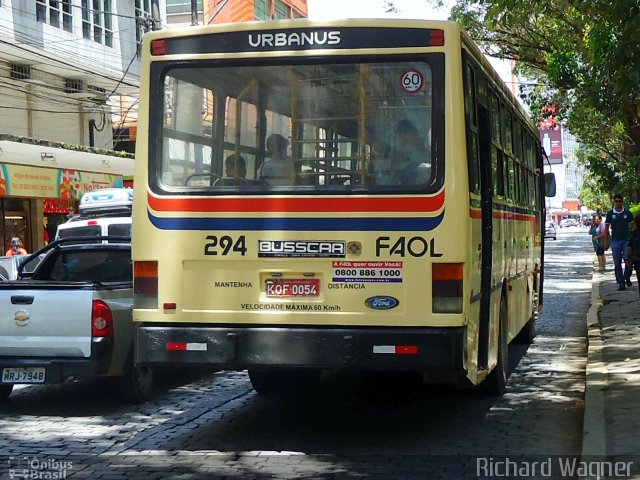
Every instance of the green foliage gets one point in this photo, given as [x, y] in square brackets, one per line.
[584, 57]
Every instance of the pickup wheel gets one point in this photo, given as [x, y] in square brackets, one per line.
[5, 391]
[138, 385]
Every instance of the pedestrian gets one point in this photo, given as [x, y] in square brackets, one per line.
[598, 233]
[16, 248]
[617, 224]
[634, 248]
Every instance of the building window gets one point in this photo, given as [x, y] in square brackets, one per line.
[261, 9]
[56, 13]
[97, 21]
[108, 25]
[282, 11]
[177, 7]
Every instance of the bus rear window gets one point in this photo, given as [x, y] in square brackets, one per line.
[329, 127]
[89, 265]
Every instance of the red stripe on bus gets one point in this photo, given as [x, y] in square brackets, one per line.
[473, 213]
[298, 204]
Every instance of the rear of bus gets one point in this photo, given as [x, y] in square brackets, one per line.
[345, 257]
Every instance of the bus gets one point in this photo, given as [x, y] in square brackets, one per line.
[347, 195]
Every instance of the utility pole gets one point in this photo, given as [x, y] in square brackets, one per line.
[155, 14]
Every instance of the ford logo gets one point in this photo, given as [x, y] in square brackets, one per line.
[382, 302]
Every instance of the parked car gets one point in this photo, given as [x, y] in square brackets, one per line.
[102, 212]
[70, 318]
[550, 230]
[568, 222]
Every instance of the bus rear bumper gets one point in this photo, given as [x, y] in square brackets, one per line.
[238, 348]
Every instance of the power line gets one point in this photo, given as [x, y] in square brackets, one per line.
[121, 79]
[35, 41]
[73, 67]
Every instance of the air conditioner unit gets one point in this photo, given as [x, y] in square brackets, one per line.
[96, 93]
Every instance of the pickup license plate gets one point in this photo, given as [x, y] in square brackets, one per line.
[292, 287]
[23, 375]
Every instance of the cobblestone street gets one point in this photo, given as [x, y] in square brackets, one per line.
[378, 426]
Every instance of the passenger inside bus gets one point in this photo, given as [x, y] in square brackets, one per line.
[411, 156]
[381, 164]
[235, 170]
[277, 169]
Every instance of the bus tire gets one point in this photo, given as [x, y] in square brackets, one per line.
[496, 382]
[271, 382]
[138, 385]
[5, 391]
[528, 332]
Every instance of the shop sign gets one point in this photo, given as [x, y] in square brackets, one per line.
[36, 182]
[27, 181]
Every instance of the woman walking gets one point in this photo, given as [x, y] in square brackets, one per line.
[598, 234]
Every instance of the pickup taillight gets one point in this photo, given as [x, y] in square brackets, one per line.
[101, 320]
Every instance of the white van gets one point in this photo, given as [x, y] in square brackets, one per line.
[102, 212]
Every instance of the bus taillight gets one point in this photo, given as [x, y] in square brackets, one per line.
[159, 47]
[437, 38]
[446, 287]
[145, 283]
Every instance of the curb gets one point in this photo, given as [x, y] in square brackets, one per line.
[594, 428]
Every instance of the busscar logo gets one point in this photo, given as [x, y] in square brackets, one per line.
[294, 39]
[301, 248]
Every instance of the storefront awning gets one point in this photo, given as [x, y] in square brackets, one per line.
[38, 153]
[42, 169]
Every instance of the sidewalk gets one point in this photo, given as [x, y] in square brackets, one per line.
[612, 397]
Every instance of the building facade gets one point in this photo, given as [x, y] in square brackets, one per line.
[63, 66]
[179, 13]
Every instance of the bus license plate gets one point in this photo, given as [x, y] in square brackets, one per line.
[23, 375]
[292, 287]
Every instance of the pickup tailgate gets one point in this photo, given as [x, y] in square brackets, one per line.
[52, 320]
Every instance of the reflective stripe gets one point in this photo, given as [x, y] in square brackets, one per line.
[181, 346]
[396, 349]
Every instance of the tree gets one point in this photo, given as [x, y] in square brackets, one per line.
[389, 7]
[584, 56]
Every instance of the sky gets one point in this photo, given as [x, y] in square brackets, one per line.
[332, 9]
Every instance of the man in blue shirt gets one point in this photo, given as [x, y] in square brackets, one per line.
[618, 221]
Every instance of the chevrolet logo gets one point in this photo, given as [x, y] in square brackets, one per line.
[21, 317]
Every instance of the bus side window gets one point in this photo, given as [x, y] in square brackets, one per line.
[472, 130]
[496, 149]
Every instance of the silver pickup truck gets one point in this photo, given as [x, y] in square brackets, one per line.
[71, 318]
